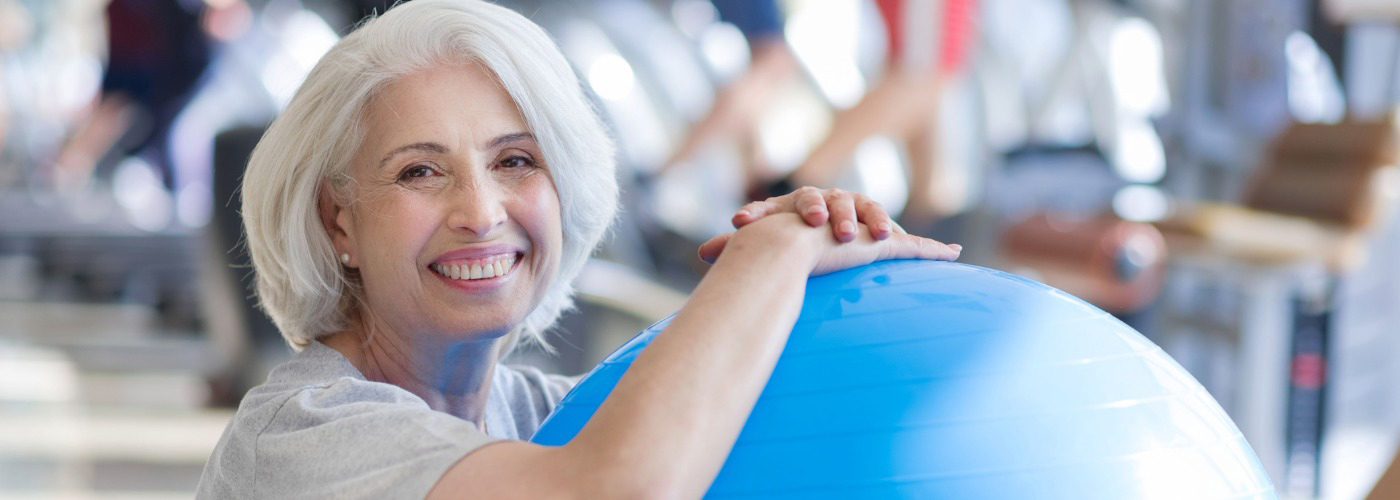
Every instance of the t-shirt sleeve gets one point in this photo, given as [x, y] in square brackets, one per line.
[355, 439]
[532, 394]
[557, 386]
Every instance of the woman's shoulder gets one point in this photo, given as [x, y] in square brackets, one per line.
[308, 427]
[319, 380]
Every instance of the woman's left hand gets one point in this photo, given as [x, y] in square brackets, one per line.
[841, 209]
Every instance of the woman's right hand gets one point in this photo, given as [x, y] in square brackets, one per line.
[866, 249]
[826, 253]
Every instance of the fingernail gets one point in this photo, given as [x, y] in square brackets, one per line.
[885, 227]
[848, 227]
[956, 247]
[743, 213]
[814, 209]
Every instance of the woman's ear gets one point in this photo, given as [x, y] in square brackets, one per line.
[335, 218]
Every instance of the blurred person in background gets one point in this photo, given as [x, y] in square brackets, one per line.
[421, 208]
[928, 44]
[157, 51]
[736, 110]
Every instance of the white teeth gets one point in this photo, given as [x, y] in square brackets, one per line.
[481, 270]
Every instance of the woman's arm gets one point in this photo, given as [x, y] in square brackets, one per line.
[669, 424]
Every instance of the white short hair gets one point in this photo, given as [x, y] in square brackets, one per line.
[300, 282]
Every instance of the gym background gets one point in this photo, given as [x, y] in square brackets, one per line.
[1220, 174]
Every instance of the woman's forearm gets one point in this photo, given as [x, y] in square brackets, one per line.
[671, 420]
[674, 416]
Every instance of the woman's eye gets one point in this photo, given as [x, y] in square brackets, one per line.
[517, 162]
[417, 171]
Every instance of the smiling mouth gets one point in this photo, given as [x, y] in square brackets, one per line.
[475, 269]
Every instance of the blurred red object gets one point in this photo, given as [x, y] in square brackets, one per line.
[1112, 263]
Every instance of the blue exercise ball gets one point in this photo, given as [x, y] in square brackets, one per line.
[943, 380]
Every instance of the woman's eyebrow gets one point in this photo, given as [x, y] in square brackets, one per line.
[502, 140]
[433, 147]
[422, 147]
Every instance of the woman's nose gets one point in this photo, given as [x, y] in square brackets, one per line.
[478, 208]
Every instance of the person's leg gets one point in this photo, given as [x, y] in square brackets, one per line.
[923, 206]
[898, 104]
[736, 109]
[112, 116]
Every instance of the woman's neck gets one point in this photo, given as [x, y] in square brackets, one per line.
[454, 378]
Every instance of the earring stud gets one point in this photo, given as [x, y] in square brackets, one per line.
[345, 259]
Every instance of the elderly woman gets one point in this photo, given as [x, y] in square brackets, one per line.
[419, 208]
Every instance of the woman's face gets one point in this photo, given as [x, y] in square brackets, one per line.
[455, 223]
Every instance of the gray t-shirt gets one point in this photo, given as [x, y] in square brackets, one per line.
[318, 429]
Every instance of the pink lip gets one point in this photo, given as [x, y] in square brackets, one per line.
[477, 253]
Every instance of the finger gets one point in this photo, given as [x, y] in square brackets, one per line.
[908, 246]
[809, 203]
[874, 216]
[755, 211]
[710, 250]
[842, 207]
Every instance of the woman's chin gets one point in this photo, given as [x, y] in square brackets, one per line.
[478, 328]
